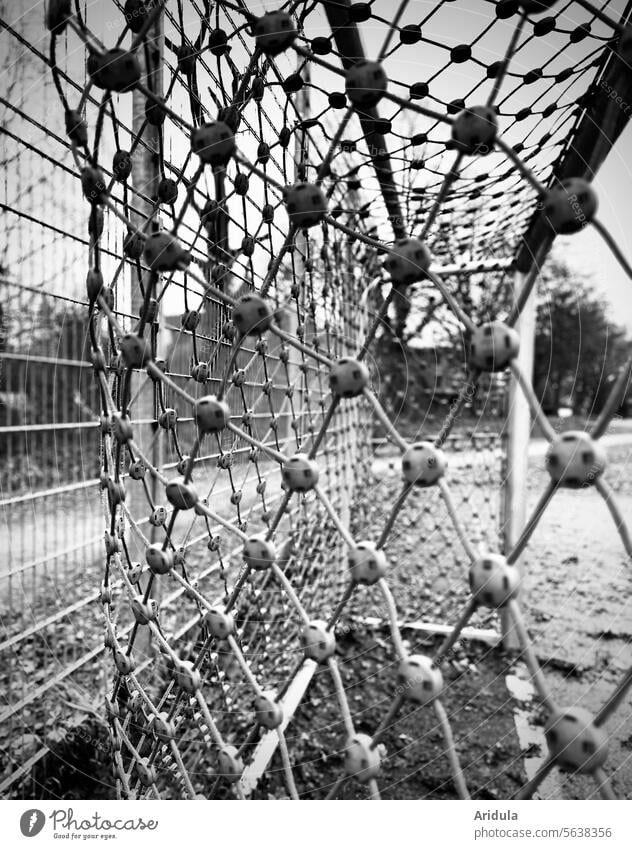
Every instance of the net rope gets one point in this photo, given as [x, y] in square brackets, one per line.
[278, 392]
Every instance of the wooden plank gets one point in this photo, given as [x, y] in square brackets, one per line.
[267, 745]
[484, 635]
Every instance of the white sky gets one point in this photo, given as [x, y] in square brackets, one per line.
[584, 252]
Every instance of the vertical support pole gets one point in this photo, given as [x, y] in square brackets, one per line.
[301, 142]
[349, 411]
[514, 496]
[146, 156]
[145, 178]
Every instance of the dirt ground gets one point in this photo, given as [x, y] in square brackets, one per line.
[578, 596]
[414, 764]
[576, 603]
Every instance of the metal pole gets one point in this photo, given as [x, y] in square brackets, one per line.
[349, 411]
[348, 41]
[290, 320]
[514, 500]
[145, 178]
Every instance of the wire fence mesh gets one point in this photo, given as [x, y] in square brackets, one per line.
[233, 533]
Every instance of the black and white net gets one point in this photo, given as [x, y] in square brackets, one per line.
[237, 171]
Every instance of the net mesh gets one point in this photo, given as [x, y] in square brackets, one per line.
[254, 225]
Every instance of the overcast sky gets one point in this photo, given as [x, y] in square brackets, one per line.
[456, 23]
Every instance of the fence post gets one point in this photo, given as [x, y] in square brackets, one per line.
[514, 495]
[301, 142]
[349, 411]
[145, 178]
